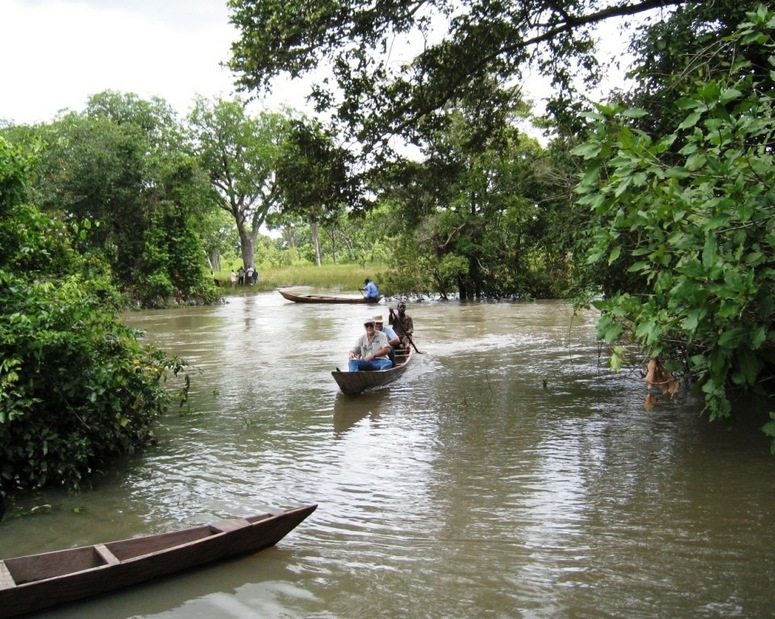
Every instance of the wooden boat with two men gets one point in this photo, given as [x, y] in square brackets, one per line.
[297, 297]
[36, 582]
[358, 382]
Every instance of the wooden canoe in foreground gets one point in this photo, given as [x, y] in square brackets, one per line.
[323, 298]
[36, 582]
[357, 382]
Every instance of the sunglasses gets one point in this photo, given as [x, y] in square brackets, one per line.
[368, 324]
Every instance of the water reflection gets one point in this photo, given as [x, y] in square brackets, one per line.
[506, 474]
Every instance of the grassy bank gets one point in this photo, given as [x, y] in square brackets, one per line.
[334, 277]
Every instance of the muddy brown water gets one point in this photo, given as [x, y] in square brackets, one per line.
[507, 474]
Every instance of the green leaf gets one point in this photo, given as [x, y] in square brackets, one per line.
[617, 358]
[690, 121]
[634, 112]
[614, 254]
[691, 321]
[587, 150]
[730, 94]
[613, 332]
[685, 103]
[758, 337]
[709, 252]
[749, 366]
[696, 161]
[677, 172]
[734, 337]
[638, 266]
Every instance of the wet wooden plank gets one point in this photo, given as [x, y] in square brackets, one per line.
[6, 580]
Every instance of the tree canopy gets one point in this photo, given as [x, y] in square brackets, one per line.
[690, 212]
[239, 152]
[123, 166]
[470, 51]
[76, 386]
[315, 177]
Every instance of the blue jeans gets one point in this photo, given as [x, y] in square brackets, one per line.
[356, 365]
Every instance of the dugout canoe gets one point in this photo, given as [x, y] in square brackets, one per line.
[358, 382]
[324, 298]
[40, 581]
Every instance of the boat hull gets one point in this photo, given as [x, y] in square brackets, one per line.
[323, 298]
[36, 582]
[358, 382]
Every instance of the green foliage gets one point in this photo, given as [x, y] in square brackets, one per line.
[239, 154]
[167, 270]
[313, 177]
[472, 52]
[690, 213]
[120, 164]
[76, 387]
[666, 47]
[477, 213]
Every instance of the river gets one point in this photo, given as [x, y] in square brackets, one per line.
[508, 473]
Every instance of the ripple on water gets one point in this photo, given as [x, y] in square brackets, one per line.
[507, 474]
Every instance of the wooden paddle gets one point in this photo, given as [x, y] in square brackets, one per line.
[409, 337]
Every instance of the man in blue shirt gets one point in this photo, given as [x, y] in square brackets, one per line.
[379, 325]
[371, 289]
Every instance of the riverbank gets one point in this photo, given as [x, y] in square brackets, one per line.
[345, 277]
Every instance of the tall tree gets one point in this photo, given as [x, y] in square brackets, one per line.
[123, 164]
[313, 175]
[474, 207]
[240, 154]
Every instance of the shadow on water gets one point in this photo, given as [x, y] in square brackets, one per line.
[350, 409]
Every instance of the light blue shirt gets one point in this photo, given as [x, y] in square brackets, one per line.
[388, 331]
[371, 290]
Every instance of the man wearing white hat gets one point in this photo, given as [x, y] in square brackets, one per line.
[371, 350]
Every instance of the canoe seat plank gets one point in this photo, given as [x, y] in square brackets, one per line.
[36, 582]
[230, 525]
[6, 580]
[109, 557]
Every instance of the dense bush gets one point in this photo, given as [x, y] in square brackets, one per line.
[76, 386]
[691, 213]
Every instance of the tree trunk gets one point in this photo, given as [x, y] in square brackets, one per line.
[214, 260]
[246, 244]
[333, 244]
[316, 242]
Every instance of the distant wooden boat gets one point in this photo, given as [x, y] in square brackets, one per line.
[357, 382]
[323, 298]
[36, 582]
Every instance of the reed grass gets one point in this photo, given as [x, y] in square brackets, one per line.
[333, 277]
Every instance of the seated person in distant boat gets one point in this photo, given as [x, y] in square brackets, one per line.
[402, 324]
[371, 289]
[393, 340]
[370, 351]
